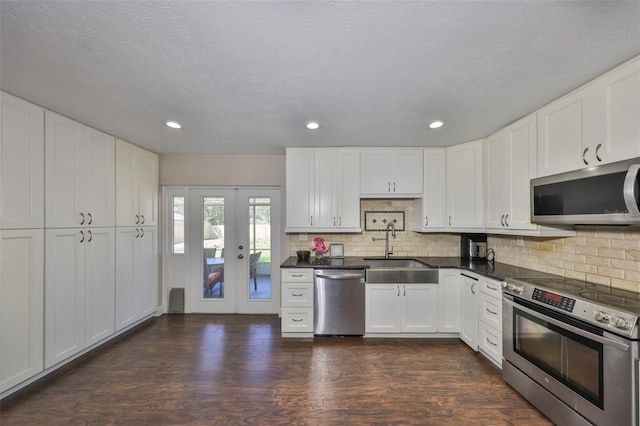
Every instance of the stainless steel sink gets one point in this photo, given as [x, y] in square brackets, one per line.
[394, 263]
[399, 271]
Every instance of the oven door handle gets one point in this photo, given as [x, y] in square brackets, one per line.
[576, 330]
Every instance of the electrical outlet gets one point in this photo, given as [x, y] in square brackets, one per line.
[520, 242]
[303, 237]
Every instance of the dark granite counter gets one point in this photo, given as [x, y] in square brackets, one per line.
[497, 271]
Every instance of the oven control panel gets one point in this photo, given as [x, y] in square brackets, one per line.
[555, 300]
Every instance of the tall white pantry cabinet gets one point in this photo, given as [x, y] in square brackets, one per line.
[60, 291]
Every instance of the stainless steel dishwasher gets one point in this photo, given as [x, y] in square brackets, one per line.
[339, 297]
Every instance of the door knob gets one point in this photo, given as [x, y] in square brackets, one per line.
[241, 256]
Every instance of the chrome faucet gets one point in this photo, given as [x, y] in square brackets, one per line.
[391, 226]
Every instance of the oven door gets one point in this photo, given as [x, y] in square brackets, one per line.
[586, 368]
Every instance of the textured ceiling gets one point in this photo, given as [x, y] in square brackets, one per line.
[244, 77]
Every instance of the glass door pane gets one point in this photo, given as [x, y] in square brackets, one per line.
[213, 247]
[260, 248]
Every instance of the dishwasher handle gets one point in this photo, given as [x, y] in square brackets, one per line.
[339, 276]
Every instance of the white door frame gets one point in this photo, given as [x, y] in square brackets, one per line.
[182, 270]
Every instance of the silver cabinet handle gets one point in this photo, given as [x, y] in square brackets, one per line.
[388, 186]
[491, 343]
[137, 233]
[472, 286]
[296, 320]
[584, 154]
[394, 187]
[90, 236]
[491, 288]
[311, 220]
[491, 312]
[502, 220]
[339, 220]
[426, 221]
[82, 233]
[142, 216]
[334, 221]
[631, 199]
[90, 219]
[449, 220]
[297, 275]
[398, 287]
[404, 290]
[82, 221]
[141, 232]
[296, 294]
[506, 220]
[597, 153]
[137, 219]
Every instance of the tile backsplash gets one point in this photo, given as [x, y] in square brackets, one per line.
[610, 257]
[406, 243]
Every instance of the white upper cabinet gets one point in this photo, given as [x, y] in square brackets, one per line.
[80, 174]
[430, 211]
[22, 164]
[464, 186]
[510, 164]
[323, 187]
[136, 185]
[597, 124]
[391, 172]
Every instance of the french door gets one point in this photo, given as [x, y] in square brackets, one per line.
[230, 249]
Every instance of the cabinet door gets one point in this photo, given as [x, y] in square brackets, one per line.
[469, 328]
[420, 308]
[21, 305]
[146, 272]
[21, 164]
[450, 301]
[300, 188]
[377, 167]
[464, 185]
[408, 172]
[348, 188]
[434, 201]
[494, 180]
[63, 157]
[64, 293]
[519, 161]
[100, 283]
[618, 138]
[97, 179]
[146, 169]
[383, 308]
[126, 312]
[325, 191]
[126, 184]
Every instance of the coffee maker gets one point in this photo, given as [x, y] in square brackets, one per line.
[473, 247]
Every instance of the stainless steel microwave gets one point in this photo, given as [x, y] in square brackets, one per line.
[601, 195]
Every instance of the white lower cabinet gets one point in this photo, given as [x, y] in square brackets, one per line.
[490, 320]
[401, 308]
[449, 296]
[21, 305]
[297, 302]
[469, 317]
[79, 290]
[137, 274]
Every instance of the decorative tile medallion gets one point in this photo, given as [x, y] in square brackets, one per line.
[378, 220]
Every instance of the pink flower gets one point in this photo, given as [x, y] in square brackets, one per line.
[319, 245]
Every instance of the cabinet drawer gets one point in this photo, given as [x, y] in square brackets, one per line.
[297, 295]
[490, 342]
[297, 275]
[491, 287]
[491, 311]
[298, 320]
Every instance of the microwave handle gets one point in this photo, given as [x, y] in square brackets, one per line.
[568, 327]
[630, 197]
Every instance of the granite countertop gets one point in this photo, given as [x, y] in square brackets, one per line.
[497, 271]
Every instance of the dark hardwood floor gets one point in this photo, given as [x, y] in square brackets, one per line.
[232, 369]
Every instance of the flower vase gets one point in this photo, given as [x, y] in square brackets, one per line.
[319, 257]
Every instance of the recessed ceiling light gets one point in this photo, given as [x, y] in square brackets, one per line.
[436, 124]
[173, 124]
[313, 125]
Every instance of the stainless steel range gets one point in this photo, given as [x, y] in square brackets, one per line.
[571, 348]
